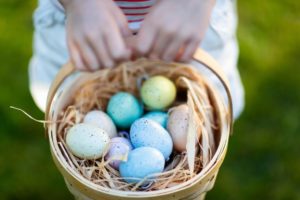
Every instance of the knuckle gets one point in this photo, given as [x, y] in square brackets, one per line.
[91, 35]
[182, 35]
[118, 54]
[169, 31]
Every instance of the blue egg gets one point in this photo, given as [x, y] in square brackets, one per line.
[146, 132]
[141, 163]
[159, 117]
[124, 109]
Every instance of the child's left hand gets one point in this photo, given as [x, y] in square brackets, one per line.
[174, 29]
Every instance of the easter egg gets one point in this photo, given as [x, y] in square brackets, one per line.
[158, 116]
[178, 126]
[146, 132]
[87, 141]
[141, 163]
[119, 148]
[124, 109]
[101, 120]
[158, 92]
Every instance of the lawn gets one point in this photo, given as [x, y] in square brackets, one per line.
[263, 159]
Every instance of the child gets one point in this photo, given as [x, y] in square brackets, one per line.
[92, 34]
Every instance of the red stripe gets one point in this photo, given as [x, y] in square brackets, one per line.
[135, 8]
[133, 0]
[136, 20]
[135, 14]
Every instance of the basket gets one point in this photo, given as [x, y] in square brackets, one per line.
[196, 187]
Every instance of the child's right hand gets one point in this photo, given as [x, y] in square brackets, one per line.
[95, 33]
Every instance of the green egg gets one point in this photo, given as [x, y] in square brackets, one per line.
[158, 92]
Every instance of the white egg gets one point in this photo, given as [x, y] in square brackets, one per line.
[101, 120]
[87, 141]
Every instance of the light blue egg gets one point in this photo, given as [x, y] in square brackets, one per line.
[159, 117]
[141, 163]
[124, 109]
[146, 132]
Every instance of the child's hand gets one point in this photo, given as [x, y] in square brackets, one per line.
[95, 33]
[173, 29]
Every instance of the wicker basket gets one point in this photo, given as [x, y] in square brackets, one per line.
[195, 188]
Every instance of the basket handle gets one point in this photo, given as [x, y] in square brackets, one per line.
[200, 56]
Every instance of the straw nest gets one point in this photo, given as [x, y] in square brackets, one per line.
[192, 88]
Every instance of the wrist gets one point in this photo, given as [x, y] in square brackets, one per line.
[68, 3]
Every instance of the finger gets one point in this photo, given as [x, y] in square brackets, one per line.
[88, 55]
[75, 56]
[120, 19]
[160, 45]
[172, 50]
[116, 44]
[122, 22]
[102, 54]
[189, 51]
[145, 39]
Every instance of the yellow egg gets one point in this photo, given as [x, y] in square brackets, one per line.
[158, 92]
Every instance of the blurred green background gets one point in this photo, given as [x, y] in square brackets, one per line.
[263, 160]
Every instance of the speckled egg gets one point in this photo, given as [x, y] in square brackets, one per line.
[101, 120]
[124, 109]
[141, 163]
[146, 132]
[158, 92]
[158, 116]
[87, 141]
[118, 150]
[178, 126]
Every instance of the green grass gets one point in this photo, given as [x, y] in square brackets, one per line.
[263, 158]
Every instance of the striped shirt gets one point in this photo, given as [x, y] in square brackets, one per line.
[135, 10]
